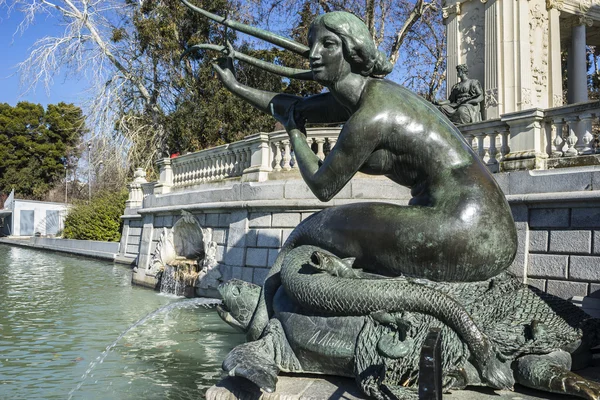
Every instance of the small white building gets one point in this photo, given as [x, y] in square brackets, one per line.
[31, 218]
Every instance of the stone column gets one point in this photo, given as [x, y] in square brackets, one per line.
[451, 15]
[555, 92]
[576, 68]
[523, 70]
[508, 61]
[492, 79]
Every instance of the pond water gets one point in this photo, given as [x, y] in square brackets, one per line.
[58, 314]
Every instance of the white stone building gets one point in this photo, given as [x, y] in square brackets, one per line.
[30, 218]
[514, 49]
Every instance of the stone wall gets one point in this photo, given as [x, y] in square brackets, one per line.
[557, 214]
[563, 240]
[250, 220]
[88, 248]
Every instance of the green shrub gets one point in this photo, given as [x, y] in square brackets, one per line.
[98, 220]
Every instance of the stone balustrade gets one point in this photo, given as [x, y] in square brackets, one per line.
[321, 140]
[570, 130]
[529, 139]
[490, 140]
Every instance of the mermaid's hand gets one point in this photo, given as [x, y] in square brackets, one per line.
[223, 66]
[288, 120]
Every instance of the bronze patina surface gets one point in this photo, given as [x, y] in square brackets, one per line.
[373, 277]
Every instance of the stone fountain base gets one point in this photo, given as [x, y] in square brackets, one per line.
[305, 387]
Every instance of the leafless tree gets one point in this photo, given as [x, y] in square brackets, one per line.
[409, 31]
[122, 105]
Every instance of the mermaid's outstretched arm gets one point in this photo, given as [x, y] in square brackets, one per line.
[321, 108]
[325, 179]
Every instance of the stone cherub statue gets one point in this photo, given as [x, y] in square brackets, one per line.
[457, 230]
[463, 105]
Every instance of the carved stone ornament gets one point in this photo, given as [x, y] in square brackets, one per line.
[450, 10]
[585, 5]
[538, 48]
[525, 97]
[584, 20]
[186, 239]
[491, 98]
[557, 100]
[473, 38]
[556, 4]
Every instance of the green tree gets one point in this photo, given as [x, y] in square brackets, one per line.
[35, 144]
[99, 219]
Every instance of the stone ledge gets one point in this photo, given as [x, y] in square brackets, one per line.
[305, 387]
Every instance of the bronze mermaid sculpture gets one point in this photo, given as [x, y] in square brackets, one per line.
[457, 227]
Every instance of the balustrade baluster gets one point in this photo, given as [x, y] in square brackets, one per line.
[248, 158]
[231, 163]
[557, 142]
[186, 173]
[194, 171]
[332, 142]
[177, 174]
[293, 162]
[493, 150]
[320, 144]
[584, 134]
[224, 165]
[209, 168]
[242, 161]
[309, 141]
[236, 162]
[200, 170]
[286, 155]
[480, 146]
[505, 147]
[220, 167]
[277, 157]
[572, 138]
[469, 139]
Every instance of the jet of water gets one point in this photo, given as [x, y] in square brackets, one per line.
[188, 303]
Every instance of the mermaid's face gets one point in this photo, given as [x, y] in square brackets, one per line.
[326, 55]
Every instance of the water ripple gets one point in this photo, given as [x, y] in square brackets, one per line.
[59, 313]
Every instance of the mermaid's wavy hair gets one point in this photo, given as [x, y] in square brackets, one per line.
[357, 43]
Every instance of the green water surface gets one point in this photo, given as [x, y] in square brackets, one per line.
[59, 313]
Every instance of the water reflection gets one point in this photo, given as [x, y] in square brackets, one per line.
[59, 313]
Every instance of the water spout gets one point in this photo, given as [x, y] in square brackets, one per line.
[196, 302]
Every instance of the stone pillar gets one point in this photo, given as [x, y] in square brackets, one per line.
[527, 140]
[136, 196]
[523, 69]
[576, 67]
[451, 15]
[492, 79]
[555, 91]
[165, 180]
[260, 160]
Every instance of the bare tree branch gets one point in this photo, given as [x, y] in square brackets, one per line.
[411, 20]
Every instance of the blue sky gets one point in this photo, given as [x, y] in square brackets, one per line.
[14, 49]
